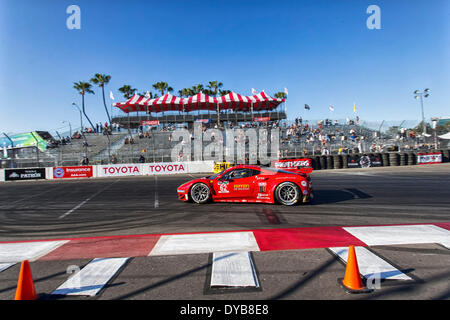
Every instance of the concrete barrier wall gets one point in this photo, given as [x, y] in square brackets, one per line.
[318, 163]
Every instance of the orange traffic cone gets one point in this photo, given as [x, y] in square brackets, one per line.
[25, 286]
[352, 280]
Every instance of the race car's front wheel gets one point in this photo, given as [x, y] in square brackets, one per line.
[200, 193]
[287, 193]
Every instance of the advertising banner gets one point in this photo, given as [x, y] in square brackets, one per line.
[291, 164]
[165, 168]
[24, 174]
[26, 139]
[119, 170]
[429, 158]
[261, 119]
[363, 161]
[72, 172]
[149, 122]
[202, 120]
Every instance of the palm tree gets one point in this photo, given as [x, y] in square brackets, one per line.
[186, 92]
[224, 92]
[162, 87]
[101, 80]
[197, 89]
[83, 88]
[127, 91]
[214, 87]
[280, 95]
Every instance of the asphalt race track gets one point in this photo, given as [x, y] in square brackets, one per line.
[43, 210]
[147, 205]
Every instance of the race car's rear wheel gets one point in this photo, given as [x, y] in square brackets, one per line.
[287, 193]
[200, 193]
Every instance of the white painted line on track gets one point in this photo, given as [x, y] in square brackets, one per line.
[17, 252]
[92, 278]
[233, 269]
[4, 266]
[370, 264]
[391, 235]
[205, 243]
[83, 202]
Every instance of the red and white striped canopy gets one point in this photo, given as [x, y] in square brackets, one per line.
[200, 101]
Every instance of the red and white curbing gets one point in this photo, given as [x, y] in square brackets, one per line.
[223, 241]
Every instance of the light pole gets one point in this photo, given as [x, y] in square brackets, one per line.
[70, 128]
[81, 116]
[420, 95]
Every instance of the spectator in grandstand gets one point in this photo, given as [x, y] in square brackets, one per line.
[325, 151]
[84, 161]
[113, 159]
[85, 144]
[142, 159]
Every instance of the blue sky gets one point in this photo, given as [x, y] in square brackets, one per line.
[321, 50]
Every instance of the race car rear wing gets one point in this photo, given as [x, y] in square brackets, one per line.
[303, 165]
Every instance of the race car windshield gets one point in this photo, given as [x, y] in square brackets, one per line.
[215, 175]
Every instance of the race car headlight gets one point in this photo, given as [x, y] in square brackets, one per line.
[304, 183]
[182, 191]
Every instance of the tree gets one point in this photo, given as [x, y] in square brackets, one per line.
[280, 95]
[224, 92]
[101, 80]
[127, 91]
[197, 89]
[162, 87]
[214, 87]
[83, 88]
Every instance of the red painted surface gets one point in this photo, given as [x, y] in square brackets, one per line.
[304, 238]
[104, 248]
[443, 225]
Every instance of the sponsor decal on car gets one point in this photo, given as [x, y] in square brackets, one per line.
[241, 187]
[223, 188]
[262, 187]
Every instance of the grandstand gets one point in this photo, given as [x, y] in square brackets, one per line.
[156, 143]
[146, 136]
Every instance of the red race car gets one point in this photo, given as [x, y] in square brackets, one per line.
[250, 183]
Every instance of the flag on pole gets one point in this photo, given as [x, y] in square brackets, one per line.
[331, 108]
[307, 107]
[253, 91]
[286, 91]
[111, 95]
[354, 107]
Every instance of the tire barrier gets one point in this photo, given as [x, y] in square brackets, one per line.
[337, 162]
[329, 162]
[411, 159]
[323, 162]
[385, 159]
[403, 159]
[394, 159]
[445, 155]
[345, 161]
